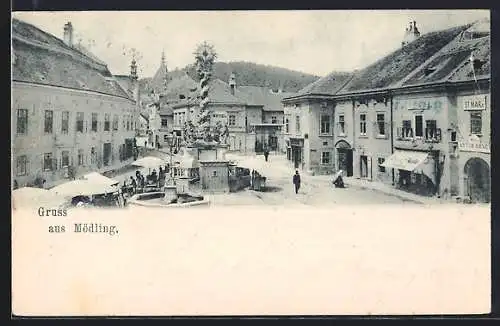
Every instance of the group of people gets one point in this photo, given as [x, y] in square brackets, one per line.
[100, 200]
[257, 181]
[140, 183]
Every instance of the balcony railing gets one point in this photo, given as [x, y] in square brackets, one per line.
[404, 133]
[431, 135]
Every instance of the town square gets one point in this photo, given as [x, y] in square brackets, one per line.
[409, 127]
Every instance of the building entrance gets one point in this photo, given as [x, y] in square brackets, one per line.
[296, 156]
[477, 182]
[344, 157]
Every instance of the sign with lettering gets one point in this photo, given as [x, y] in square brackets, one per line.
[296, 142]
[475, 102]
[474, 147]
[425, 104]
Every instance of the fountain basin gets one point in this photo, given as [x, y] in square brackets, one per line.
[156, 199]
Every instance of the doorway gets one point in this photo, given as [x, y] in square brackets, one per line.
[363, 165]
[296, 156]
[106, 153]
[477, 182]
[273, 143]
[345, 160]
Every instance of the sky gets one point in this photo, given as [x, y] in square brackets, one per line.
[315, 42]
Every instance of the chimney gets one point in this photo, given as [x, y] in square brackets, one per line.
[232, 83]
[411, 33]
[68, 34]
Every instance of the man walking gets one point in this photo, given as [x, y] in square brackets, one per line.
[296, 181]
[266, 153]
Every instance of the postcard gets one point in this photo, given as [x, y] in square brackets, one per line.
[242, 163]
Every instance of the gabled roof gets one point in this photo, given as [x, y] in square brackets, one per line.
[393, 68]
[328, 85]
[41, 58]
[255, 95]
[220, 92]
[157, 82]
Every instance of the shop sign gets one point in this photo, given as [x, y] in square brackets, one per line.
[296, 142]
[474, 102]
[425, 104]
[474, 147]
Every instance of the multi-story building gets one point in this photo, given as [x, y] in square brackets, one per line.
[309, 124]
[265, 104]
[429, 121]
[243, 108]
[69, 113]
[398, 120]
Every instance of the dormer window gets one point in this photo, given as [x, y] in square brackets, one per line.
[477, 63]
[429, 70]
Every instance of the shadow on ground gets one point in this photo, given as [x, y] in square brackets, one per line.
[271, 189]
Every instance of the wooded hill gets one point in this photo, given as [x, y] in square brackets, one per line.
[252, 74]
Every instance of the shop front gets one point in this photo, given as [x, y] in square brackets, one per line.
[415, 171]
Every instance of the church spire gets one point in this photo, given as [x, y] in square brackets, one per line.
[163, 57]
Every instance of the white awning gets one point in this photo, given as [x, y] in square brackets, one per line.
[99, 178]
[405, 160]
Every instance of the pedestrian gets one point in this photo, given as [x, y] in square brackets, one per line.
[133, 183]
[296, 181]
[266, 153]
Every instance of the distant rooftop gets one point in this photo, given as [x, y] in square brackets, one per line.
[42, 58]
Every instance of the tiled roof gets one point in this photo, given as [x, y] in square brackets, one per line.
[220, 93]
[328, 85]
[453, 62]
[181, 85]
[255, 95]
[52, 63]
[126, 83]
[465, 72]
[392, 69]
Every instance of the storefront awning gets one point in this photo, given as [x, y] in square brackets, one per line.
[405, 160]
